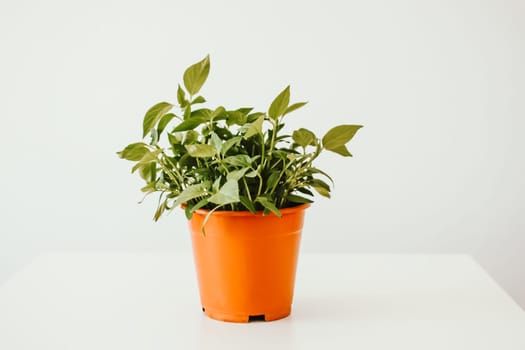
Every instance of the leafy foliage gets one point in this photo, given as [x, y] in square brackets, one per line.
[231, 159]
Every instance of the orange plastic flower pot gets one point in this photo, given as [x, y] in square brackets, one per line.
[246, 263]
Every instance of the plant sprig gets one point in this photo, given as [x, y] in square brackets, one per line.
[230, 159]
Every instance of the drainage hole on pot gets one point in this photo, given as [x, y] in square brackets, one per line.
[253, 318]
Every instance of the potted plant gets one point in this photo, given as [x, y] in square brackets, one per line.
[244, 185]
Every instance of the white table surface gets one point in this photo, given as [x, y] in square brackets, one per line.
[150, 301]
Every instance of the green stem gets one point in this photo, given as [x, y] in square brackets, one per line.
[279, 179]
[274, 135]
[272, 143]
[260, 184]
[263, 151]
[294, 181]
[173, 166]
[170, 174]
[247, 189]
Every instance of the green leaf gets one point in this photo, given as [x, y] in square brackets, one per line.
[189, 193]
[134, 152]
[298, 199]
[319, 171]
[304, 137]
[187, 161]
[321, 187]
[272, 179]
[164, 122]
[216, 142]
[293, 107]
[138, 166]
[267, 204]
[245, 110]
[322, 191]
[216, 184]
[189, 124]
[279, 104]
[230, 143]
[223, 133]
[255, 127]
[229, 193]
[152, 172]
[320, 183]
[304, 190]
[241, 160]
[219, 113]
[190, 209]
[196, 74]
[293, 156]
[203, 172]
[254, 116]
[174, 139]
[247, 204]
[237, 174]
[191, 137]
[181, 97]
[153, 115]
[148, 171]
[148, 157]
[339, 136]
[236, 117]
[187, 111]
[252, 174]
[160, 209]
[202, 113]
[149, 188]
[198, 99]
[342, 150]
[161, 184]
[200, 151]
[178, 149]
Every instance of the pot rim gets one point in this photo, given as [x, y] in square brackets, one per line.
[283, 211]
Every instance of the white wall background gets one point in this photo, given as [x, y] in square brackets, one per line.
[439, 86]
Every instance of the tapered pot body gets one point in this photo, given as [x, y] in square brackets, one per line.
[246, 263]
